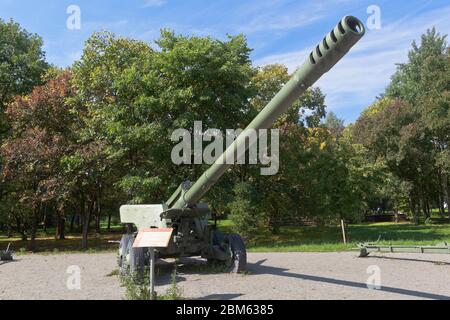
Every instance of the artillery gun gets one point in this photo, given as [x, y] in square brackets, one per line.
[192, 235]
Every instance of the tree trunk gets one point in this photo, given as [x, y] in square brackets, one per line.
[97, 216]
[427, 208]
[62, 234]
[32, 245]
[412, 201]
[21, 229]
[85, 225]
[90, 218]
[19, 225]
[9, 230]
[58, 222]
[97, 224]
[109, 221]
[441, 203]
[423, 205]
[447, 192]
[45, 219]
[60, 225]
[72, 221]
[445, 198]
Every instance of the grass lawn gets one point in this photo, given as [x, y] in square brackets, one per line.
[46, 243]
[329, 239]
[290, 239]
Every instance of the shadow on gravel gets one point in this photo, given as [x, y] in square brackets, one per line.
[221, 296]
[8, 261]
[188, 266]
[164, 280]
[165, 268]
[259, 268]
[441, 263]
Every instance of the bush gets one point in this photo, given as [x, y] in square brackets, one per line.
[250, 222]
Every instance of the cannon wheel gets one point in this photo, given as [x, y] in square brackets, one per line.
[238, 261]
[121, 257]
[131, 260]
[136, 261]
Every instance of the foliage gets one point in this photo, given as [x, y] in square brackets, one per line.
[42, 134]
[22, 65]
[329, 238]
[250, 222]
[135, 290]
[334, 124]
[409, 128]
[139, 290]
[174, 292]
[83, 141]
[21, 61]
[136, 97]
[307, 110]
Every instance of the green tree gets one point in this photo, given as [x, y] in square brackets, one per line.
[251, 222]
[22, 64]
[335, 125]
[412, 79]
[408, 128]
[136, 97]
[396, 136]
[424, 83]
[308, 110]
[42, 130]
[323, 176]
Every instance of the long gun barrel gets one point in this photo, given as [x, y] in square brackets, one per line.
[327, 53]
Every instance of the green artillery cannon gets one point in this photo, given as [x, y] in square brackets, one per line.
[192, 235]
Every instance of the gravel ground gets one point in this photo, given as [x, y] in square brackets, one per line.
[271, 276]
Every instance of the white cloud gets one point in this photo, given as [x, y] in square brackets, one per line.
[154, 3]
[278, 15]
[104, 25]
[280, 22]
[366, 70]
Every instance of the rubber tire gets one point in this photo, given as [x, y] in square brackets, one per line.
[123, 247]
[137, 261]
[239, 258]
[217, 238]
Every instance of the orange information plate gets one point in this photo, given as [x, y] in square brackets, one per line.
[153, 238]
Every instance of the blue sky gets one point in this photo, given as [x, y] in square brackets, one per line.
[279, 31]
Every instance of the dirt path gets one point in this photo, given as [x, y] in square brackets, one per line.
[271, 276]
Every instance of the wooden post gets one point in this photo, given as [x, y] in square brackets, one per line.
[343, 231]
[152, 274]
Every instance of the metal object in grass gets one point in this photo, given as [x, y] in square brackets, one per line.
[367, 248]
[6, 255]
